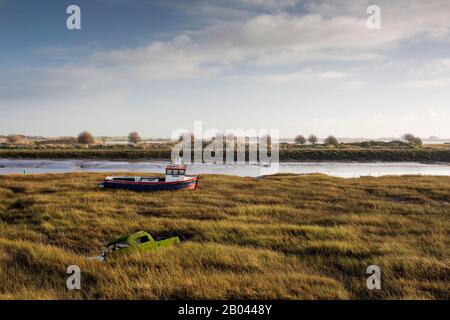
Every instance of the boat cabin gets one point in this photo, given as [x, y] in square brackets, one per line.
[175, 173]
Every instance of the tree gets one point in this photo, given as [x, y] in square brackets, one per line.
[412, 139]
[331, 141]
[134, 137]
[312, 139]
[300, 139]
[85, 138]
[16, 138]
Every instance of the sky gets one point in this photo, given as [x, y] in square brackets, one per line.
[300, 66]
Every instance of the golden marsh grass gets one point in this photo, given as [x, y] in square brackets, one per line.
[281, 237]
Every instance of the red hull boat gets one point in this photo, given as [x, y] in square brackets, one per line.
[175, 179]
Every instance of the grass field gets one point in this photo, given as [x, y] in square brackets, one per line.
[281, 237]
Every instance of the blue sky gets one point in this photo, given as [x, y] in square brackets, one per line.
[301, 66]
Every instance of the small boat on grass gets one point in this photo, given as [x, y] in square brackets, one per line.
[175, 179]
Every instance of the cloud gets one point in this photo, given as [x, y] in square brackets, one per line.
[273, 39]
[424, 123]
[304, 76]
[354, 84]
[440, 66]
[282, 38]
[428, 84]
[328, 31]
[433, 113]
[267, 4]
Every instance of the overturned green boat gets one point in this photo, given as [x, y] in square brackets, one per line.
[138, 241]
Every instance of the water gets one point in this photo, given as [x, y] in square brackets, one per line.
[337, 169]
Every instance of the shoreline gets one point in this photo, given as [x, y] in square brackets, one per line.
[168, 160]
[425, 154]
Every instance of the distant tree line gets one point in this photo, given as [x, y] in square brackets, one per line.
[409, 138]
[312, 139]
[86, 138]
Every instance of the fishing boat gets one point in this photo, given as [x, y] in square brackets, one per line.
[175, 179]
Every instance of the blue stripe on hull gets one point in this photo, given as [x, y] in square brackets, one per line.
[150, 187]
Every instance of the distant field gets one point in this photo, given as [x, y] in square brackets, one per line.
[343, 153]
[281, 237]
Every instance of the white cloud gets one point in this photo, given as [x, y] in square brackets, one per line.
[433, 113]
[354, 84]
[440, 66]
[428, 84]
[273, 39]
[281, 38]
[306, 75]
[377, 118]
[268, 4]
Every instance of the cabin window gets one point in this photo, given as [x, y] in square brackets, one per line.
[169, 172]
[142, 239]
[175, 172]
[181, 172]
